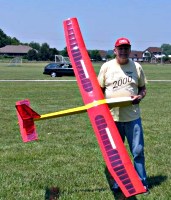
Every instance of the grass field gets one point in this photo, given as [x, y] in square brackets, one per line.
[67, 155]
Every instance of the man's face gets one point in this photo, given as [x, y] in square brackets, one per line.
[122, 52]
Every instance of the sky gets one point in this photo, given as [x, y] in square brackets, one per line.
[146, 23]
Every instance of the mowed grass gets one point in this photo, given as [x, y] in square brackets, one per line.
[67, 155]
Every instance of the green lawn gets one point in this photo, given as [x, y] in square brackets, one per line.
[67, 155]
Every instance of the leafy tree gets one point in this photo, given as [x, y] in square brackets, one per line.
[108, 56]
[166, 49]
[94, 54]
[15, 41]
[6, 40]
[39, 52]
[35, 45]
[32, 55]
[44, 52]
[64, 52]
[53, 52]
[3, 39]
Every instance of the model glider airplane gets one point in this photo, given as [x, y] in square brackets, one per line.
[108, 137]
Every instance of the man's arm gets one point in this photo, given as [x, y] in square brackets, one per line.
[141, 94]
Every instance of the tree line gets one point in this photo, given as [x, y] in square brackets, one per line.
[39, 52]
[43, 51]
[7, 40]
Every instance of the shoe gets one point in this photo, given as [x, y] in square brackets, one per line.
[147, 190]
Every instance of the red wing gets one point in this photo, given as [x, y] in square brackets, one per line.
[111, 145]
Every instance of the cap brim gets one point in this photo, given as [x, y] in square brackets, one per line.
[122, 45]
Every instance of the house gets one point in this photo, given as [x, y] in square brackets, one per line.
[103, 54]
[136, 56]
[153, 54]
[15, 50]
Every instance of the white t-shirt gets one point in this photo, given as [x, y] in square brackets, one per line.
[122, 81]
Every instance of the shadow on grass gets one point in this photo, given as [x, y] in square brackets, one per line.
[153, 181]
[53, 193]
[156, 180]
[91, 190]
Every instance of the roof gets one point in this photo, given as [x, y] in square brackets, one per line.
[136, 54]
[15, 49]
[102, 53]
[154, 49]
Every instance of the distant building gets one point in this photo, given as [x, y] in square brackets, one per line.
[15, 50]
[153, 54]
[136, 56]
[103, 54]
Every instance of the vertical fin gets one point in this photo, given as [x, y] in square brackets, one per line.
[26, 120]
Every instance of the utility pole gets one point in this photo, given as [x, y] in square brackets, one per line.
[161, 56]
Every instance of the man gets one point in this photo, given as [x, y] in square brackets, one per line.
[122, 77]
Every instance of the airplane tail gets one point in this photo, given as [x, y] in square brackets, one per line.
[26, 118]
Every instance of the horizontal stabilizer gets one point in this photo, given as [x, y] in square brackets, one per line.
[26, 112]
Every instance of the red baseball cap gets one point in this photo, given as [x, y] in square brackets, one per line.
[122, 41]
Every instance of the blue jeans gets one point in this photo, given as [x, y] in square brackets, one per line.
[133, 131]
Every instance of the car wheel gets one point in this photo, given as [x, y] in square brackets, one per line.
[53, 74]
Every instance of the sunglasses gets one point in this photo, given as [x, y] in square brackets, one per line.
[123, 48]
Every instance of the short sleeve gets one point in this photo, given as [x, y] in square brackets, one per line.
[101, 76]
[141, 76]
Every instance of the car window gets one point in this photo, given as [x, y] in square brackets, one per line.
[52, 66]
[64, 66]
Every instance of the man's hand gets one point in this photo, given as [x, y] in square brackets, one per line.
[136, 99]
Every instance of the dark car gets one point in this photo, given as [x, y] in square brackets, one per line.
[58, 69]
